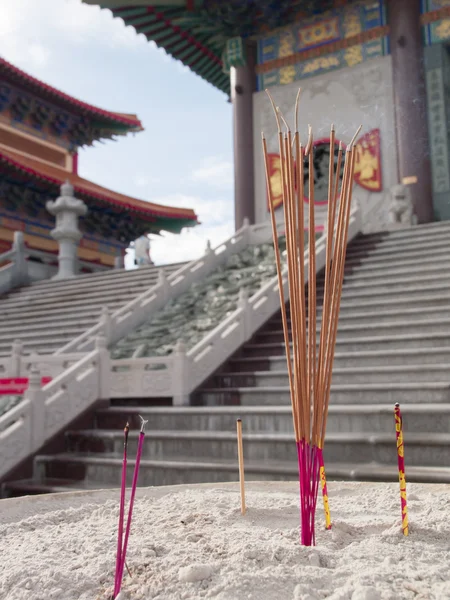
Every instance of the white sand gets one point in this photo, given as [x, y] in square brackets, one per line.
[191, 542]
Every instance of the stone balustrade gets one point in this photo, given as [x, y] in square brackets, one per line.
[45, 411]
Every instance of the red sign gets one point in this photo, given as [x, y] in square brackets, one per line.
[367, 166]
[368, 161]
[13, 386]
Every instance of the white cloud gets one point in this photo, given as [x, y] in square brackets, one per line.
[143, 181]
[215, 172]
[39, 54]
[217, 224]
[23, 21]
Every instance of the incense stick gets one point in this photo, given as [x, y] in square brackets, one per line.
[312, 357]
[241, 465]
[401, 467]
[133, 493]
[121, 510]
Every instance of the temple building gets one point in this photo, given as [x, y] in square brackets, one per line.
[382, 64]
[41, 130]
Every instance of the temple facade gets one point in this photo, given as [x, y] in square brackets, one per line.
[41, 130]
[382, 64]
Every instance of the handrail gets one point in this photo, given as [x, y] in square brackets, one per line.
[193, 367]
[7, 255]
[45, 411]
[139, 308]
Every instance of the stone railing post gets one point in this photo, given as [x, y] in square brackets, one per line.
[244, 305]
[162, 281]
[209, 253]
[66, 208]
[180, 374]
[36, 396]
[15, 365]
[20, 268]
[119, 262]
[105, 323]
[246, 230]
[104, 367]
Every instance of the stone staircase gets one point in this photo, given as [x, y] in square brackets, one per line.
[393, 346]
[49, 314]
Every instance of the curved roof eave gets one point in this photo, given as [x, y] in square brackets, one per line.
[129, 121]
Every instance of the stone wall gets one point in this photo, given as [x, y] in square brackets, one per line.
[360, 95]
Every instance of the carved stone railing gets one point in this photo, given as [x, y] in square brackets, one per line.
[46, 411]
[117, 325]
[180, 374]
[13, 266]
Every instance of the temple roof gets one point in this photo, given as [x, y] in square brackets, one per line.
[103, 123]
[48, 178]
[196, 31]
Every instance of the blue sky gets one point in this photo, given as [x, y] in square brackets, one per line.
[184, 156]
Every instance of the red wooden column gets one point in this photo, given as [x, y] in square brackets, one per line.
[410, 102]
[243, 83]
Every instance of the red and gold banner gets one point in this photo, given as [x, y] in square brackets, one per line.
[367, 166]
[368, 161]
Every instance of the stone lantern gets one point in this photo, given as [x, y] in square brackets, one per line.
[66, 208]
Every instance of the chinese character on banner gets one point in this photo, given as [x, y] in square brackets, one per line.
[368, 161]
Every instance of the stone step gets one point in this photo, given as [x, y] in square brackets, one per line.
[362, 344]
[417, 237]
[353, 331]
[379, 358]
[74, 310]
[106, 471]
[40, 333]
[393, 259]
[407, 296]
[74, 286]
[381, 316]
[398, 245]
[94, 295]
[384, 374]
[391, 289]
[46, 333]
[424, 298]
[437, 245]
[368, 418]
[16, 326]
[412, 231]
[422, 449]
[358, 275]
[119, 275]
[365, 393]
[414, 263]
[74, 307]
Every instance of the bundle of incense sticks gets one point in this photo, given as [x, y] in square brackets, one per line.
[122, 548]
[310, 363]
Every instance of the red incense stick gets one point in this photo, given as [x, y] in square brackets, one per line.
[122, 510]
[133, 493]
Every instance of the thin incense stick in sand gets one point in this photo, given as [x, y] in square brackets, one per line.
[241, 465]
[401, 467]
[133, 494]
[121, 510]
[312, 357]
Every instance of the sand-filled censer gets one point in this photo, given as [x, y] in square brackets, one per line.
[190, 542]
